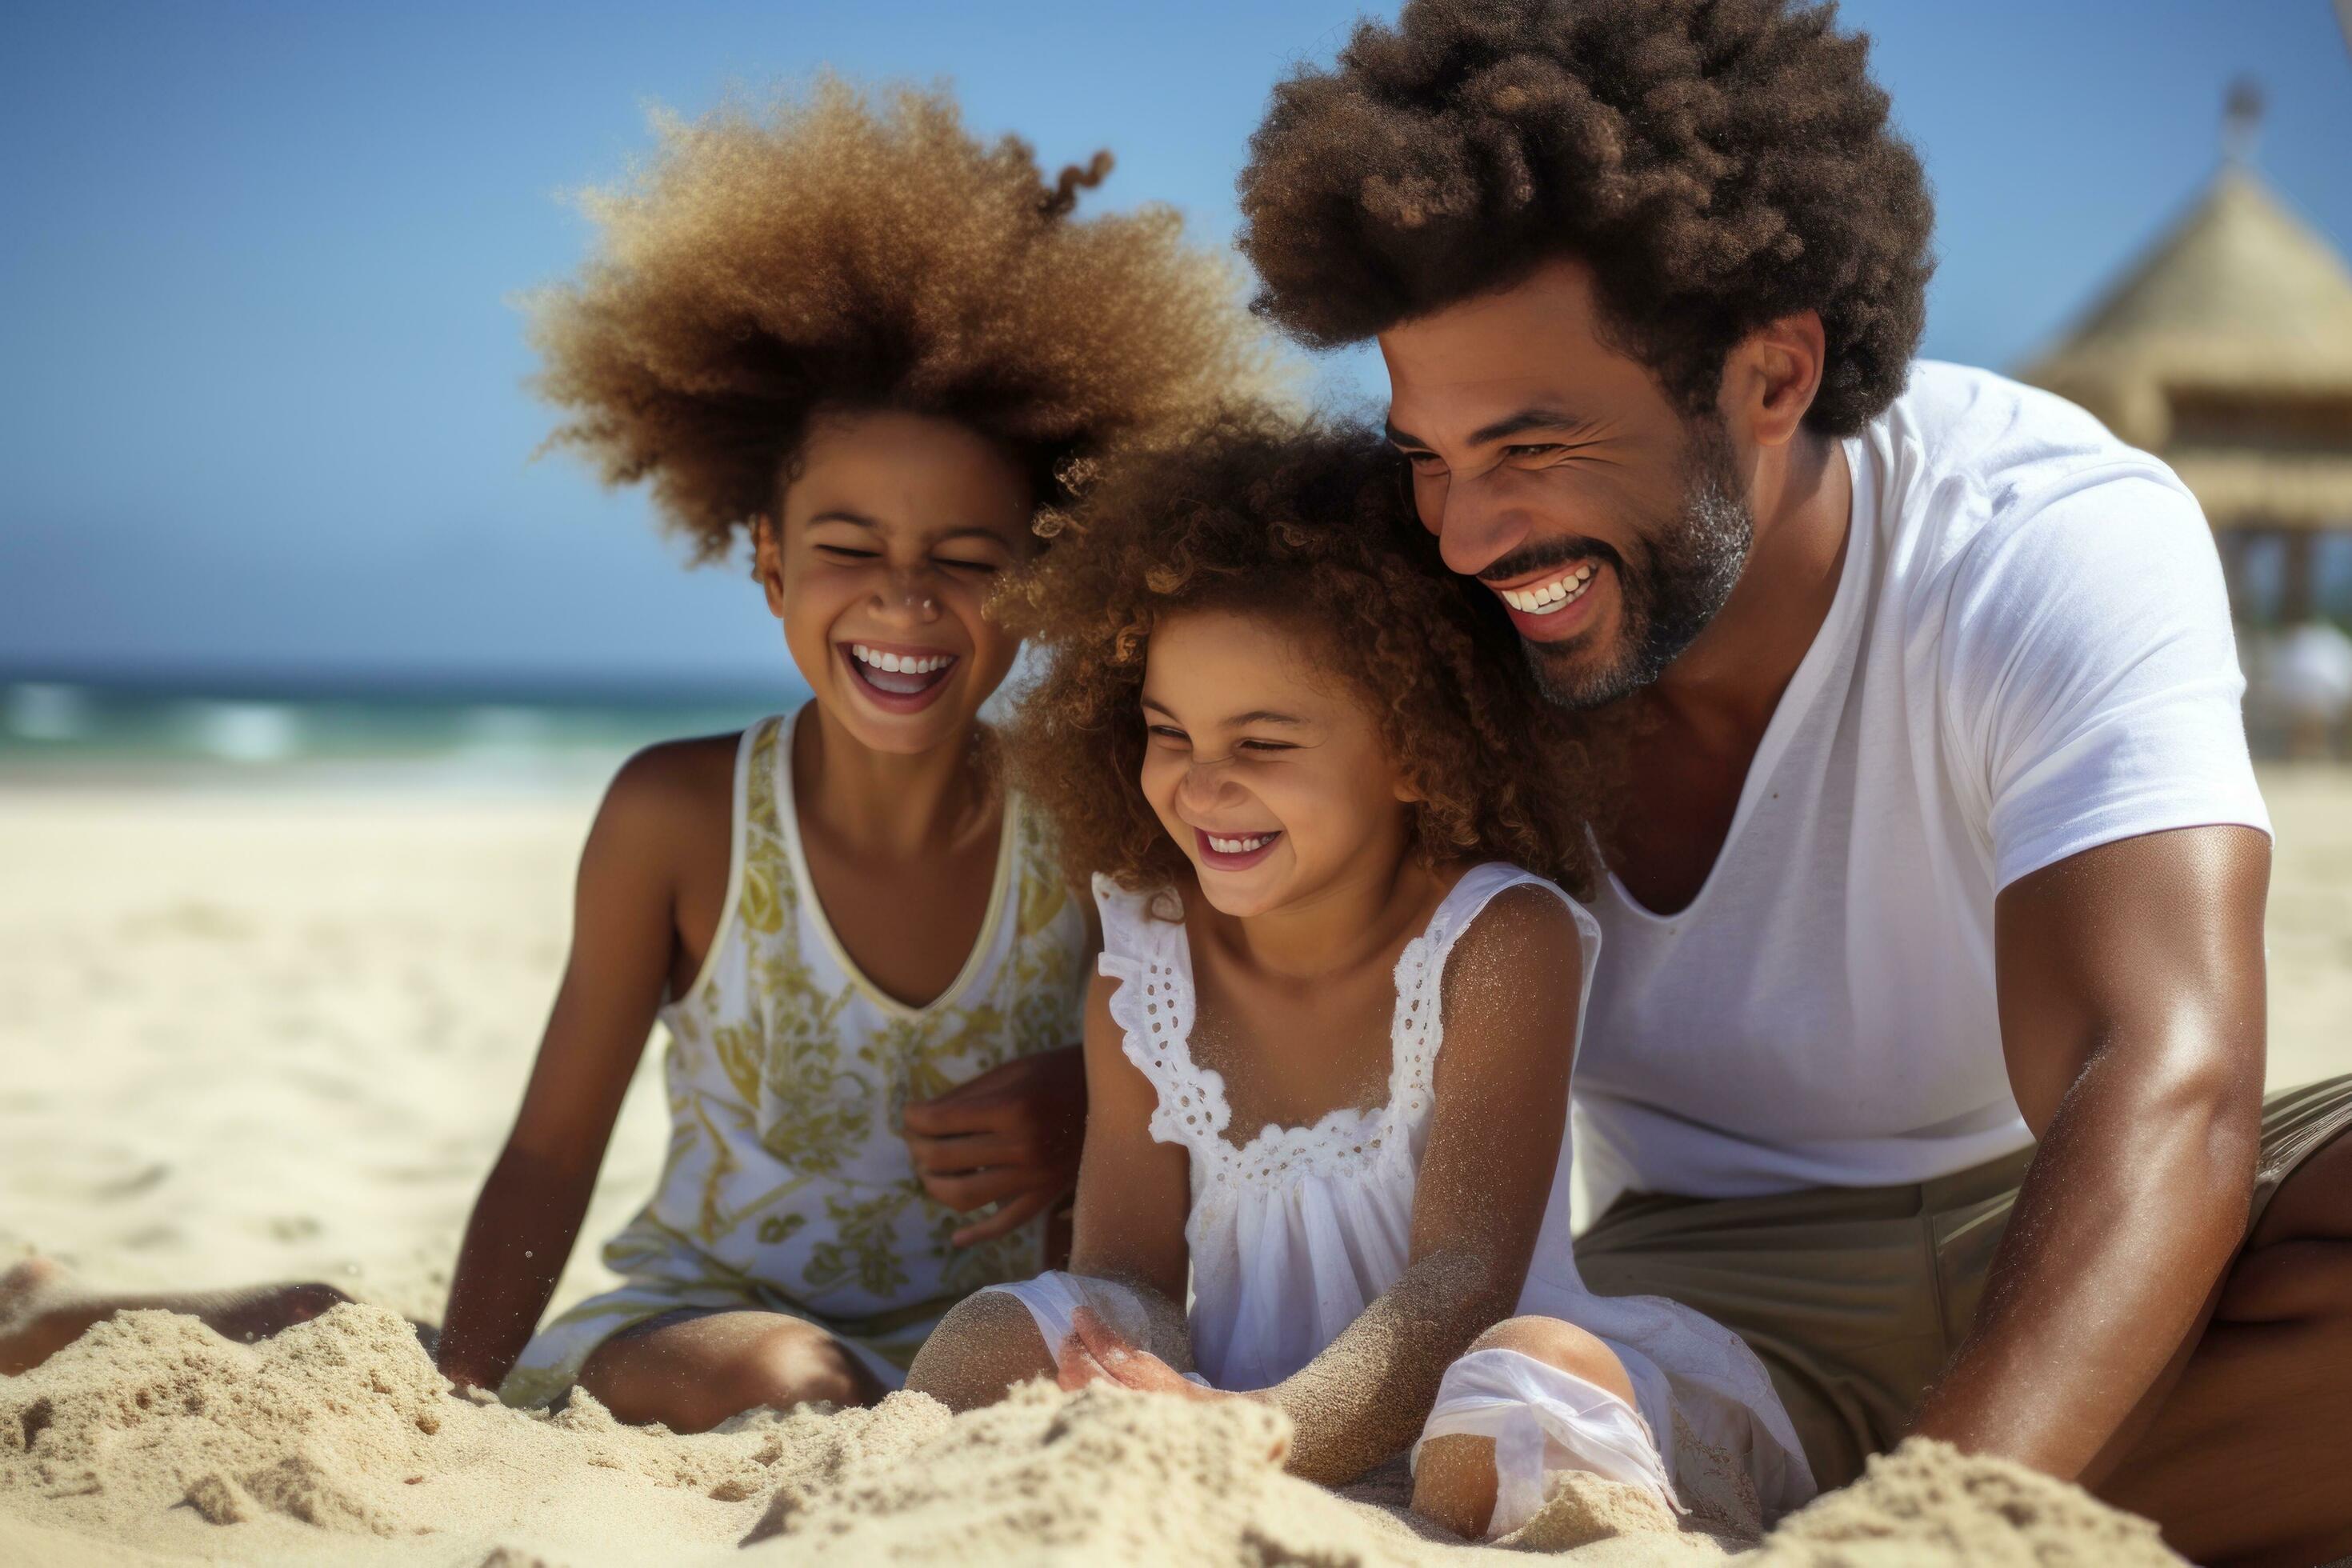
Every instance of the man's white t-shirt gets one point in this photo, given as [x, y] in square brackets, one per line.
[2030, 654]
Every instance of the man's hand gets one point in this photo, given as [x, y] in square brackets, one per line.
[1010, 1137]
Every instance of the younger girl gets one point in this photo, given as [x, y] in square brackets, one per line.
[870, 342]
[1328, 1056]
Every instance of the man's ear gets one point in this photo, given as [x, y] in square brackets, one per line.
[768, 561]
[1771, 378]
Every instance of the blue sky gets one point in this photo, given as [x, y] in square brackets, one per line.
[262, 408]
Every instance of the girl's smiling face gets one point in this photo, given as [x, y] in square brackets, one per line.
[894, 528]
[1267, 772]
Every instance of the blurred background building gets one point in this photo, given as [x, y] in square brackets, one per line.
[2227, 350]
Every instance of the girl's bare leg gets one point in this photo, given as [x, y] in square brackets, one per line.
[691, 1372]
[1453, 1484]
[985, 1345]
[42, 1311]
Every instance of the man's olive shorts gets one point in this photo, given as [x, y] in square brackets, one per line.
[1856, 1297]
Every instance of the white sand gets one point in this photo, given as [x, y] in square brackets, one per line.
[153, 1440]
[277, 1034]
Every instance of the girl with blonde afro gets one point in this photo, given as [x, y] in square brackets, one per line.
[874, 346]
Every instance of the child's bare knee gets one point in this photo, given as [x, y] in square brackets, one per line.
[695, 1392]
[986, 1344]
[983, 1318]
[1454, 1483]
[1562, 1345]
[793, 1364]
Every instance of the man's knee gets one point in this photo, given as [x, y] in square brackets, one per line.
[2314, 1203]
[1561, 1345]
[2290, 1281]
[2297, 1264]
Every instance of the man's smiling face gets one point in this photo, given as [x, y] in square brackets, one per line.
[1552, 467]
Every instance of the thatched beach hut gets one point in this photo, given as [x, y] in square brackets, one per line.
[2227, 350]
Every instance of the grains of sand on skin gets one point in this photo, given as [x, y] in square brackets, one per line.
[152, 1432]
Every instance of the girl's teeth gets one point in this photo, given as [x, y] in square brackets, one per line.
[1239, 846]
[898, 664]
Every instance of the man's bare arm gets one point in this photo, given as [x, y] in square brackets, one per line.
[2131, 987]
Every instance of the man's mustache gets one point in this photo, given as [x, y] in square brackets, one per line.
[1551, 553]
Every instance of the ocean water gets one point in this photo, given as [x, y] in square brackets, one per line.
[475, 735]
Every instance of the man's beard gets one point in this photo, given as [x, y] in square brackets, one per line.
[1686, 568]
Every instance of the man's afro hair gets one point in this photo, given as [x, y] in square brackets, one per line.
[1718, 163]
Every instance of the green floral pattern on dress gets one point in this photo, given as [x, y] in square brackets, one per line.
[787, 1186]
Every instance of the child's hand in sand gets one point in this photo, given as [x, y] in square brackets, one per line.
[1095, 1353]
[1009, 1137]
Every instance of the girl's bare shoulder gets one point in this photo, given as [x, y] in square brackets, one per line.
[672, 798]
[1527, 942]
[696, 776]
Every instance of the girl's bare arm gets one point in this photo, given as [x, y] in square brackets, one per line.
[1511, 989]
[1133, 1192]
[1133, 1196]
[624, 939]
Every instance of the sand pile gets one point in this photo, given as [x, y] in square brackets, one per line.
[153, 1438]
[1927, 1504]
[153, 1431]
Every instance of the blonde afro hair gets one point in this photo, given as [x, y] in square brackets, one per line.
[833, 254]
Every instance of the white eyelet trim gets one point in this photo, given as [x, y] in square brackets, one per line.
[1154, 1006]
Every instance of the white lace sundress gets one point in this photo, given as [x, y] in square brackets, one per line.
[1294, 1233]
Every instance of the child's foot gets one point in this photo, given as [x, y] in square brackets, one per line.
[255, 1312]
[28, 1293]
[42, 1311]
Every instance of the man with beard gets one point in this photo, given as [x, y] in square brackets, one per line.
[1925, 1048]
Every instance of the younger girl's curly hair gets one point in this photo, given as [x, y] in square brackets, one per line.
[768, 266]
[1311, 524]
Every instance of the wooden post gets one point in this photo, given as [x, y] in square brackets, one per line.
[2298, 588]
[2231, 542]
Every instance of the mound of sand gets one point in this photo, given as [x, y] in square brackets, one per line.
[152, 1439]
[153, 1431]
